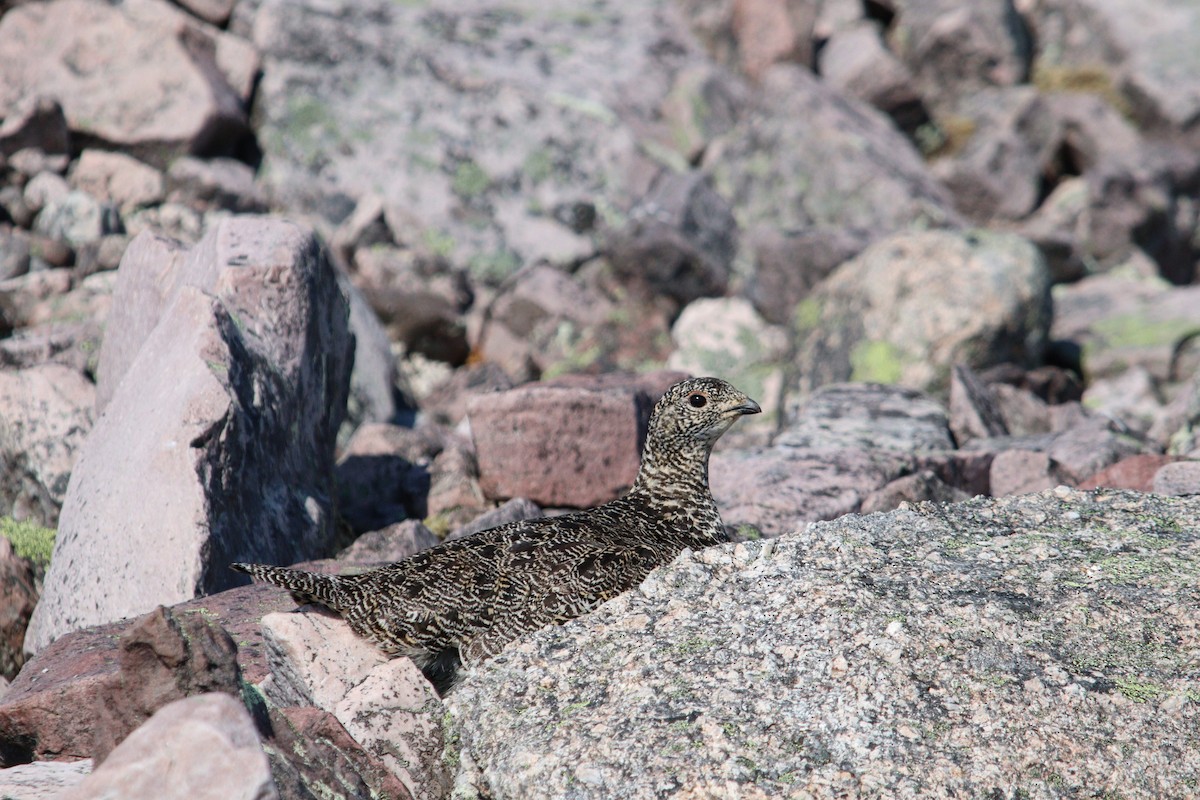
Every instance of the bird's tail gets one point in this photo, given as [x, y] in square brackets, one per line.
[305, 587]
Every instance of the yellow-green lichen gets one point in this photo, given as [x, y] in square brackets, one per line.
[28, 539]
[873, 361]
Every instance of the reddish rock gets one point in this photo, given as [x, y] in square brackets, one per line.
[769, 31]
[18, 595]
[974, 407]
[52, 708]
[1135, 473]
[454, 492]
[1181, 479]
[1023, 472]
[447, 402]
[573, 443]
[963, 469]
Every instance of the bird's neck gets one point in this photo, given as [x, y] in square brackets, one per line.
[680, 471]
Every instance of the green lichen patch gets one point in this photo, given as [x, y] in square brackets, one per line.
[875, 362]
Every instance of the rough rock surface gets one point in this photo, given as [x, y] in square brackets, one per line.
[42, 780]
[45, 415]
[1039, 646]
[199, 748]
[575, 443]
[870, 319]
[384, 703]
[157, 94]
[204, 422]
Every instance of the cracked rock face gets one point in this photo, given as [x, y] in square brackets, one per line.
[1035, 646]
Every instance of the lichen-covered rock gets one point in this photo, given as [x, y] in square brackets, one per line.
[911, 306]
[1039, 646]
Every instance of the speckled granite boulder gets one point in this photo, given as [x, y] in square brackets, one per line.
[1039, 646]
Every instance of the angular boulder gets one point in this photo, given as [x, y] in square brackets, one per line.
[911, 306]
[927, 652]
[217, 442]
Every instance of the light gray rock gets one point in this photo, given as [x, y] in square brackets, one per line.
[160, 93]
[868, 417]
[955, 49]
[76, 219]
[929, 652]
[911, 306]
[812, 158]
[42, 780]
[385, 704]
[725, 336]
[201, 748]
[217, 442]
[855, 60]
[1120, 321]
[45, 415]
[1146, 54]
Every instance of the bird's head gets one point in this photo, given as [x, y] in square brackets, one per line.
[698, 410]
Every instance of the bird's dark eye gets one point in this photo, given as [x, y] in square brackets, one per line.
[697, 400]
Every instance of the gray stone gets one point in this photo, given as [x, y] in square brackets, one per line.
[1121, 321]
[200, 748]
[779, 490]
[956, 49]
[788, 266]
[912, 306]
[811, 158]
[1145, 55]
[42, 780]
[226, 415]
[45, 416]
[974, 407]
[997, 174]
[868, 417]
[926, 652]
[76, 219]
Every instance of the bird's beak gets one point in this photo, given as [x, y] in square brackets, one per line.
[747, 407]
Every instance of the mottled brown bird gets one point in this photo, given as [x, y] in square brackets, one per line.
[464, 600]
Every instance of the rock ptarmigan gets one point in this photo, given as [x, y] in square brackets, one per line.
[462, 601]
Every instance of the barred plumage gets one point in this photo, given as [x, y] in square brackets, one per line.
[468, 598]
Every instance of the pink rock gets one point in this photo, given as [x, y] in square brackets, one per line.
[575, 443]
[1024, 471]
[159, 94]
[199, 748]
[1135, 472]
[117, 178]
[226, 414]
[45, 415]
[1181, 479]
